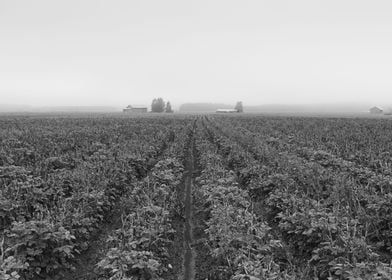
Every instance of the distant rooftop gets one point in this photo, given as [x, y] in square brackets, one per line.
[136, 107]
[226, 110]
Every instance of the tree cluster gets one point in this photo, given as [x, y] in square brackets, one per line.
[239, 107]
[158, 106]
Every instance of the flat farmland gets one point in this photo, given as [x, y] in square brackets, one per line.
[171, 196]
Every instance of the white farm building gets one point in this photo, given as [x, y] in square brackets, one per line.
[131, 109]
[375, 110]
[227, 111]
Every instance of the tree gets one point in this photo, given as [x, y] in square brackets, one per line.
[239, 107]
[168, 108]
[158, 105]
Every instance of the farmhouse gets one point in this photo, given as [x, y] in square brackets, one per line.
[227, 111]
[131, 109]
[375, 110]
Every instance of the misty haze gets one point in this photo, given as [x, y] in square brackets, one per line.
[96, 53]
[195, 140]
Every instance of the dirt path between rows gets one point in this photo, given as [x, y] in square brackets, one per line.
[189, 252]
[85, 268]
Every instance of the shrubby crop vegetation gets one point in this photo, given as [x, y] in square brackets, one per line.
[272, 197]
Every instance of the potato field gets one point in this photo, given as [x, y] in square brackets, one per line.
[219, 197]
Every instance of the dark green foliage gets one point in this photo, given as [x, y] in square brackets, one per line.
[168, 108]
[158, 105]
[330, 214]
[52, 204]
[239, 107]
[281, 198]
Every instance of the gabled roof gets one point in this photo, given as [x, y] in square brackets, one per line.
[135, 107]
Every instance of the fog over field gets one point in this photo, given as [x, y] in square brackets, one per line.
[195, 139]
[115, 53]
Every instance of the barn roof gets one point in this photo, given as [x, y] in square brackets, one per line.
[135, 107]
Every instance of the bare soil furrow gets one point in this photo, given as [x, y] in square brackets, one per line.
[189, 252]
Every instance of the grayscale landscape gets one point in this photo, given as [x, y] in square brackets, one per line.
[195, 140]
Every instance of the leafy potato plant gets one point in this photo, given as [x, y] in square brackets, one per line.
[60, 178]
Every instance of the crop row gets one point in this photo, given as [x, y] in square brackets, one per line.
[60, 179]
[238, 243]
[365, 142]
[364, 176]
[140, 247]
[329, 225]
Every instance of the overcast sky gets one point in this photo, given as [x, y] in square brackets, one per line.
[90, 52]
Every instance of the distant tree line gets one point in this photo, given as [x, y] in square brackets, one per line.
[210, 107]
[158, 106]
